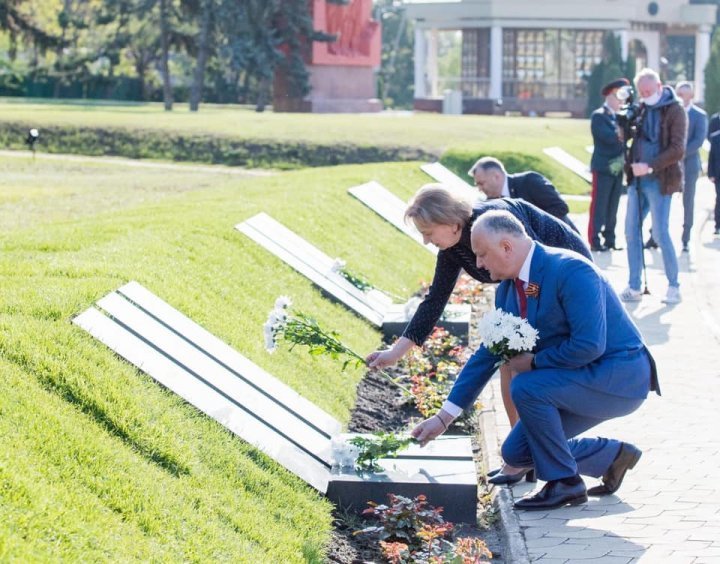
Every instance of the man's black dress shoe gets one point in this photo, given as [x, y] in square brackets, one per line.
[614, 247]
[501, 479]
[598, 248]
[625, 460]
[553, 495]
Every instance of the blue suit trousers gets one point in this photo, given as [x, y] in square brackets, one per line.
[553, 410]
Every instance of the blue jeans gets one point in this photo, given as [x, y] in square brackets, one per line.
[651, 200]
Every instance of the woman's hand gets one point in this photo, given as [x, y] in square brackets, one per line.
[383, 359]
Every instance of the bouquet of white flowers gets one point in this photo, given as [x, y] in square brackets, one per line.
[300, 329]
[506, 335]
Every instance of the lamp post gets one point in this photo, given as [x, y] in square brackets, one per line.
[31, 139]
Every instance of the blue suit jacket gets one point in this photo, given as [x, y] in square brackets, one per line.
[697, 130]
[583, 329]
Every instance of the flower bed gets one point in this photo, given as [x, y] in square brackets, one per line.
[430, 371]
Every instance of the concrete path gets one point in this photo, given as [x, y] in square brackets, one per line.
[138, 163]
[668, 508]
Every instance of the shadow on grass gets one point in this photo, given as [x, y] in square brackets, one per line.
[165, 461]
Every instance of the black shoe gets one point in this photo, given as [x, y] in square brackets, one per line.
[598, 248]
[717, 231]
[501, 479]
[613, 247]
[626, 459]
[494, 472]
[685, 248]
[553, 495]
[651, 244]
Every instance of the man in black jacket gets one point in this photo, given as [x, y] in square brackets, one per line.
[492, 179]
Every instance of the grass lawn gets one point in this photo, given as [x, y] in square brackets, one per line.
[97, 461]
[430, 131]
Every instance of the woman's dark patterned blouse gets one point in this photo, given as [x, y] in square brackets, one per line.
[539, 225]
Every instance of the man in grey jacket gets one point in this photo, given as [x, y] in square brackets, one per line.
[697, 130]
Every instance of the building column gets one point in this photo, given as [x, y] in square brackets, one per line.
[624, 45]
[496, 60]
[432, 62]
[420, 63]
[702, 54]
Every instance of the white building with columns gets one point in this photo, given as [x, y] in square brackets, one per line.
[536, 56]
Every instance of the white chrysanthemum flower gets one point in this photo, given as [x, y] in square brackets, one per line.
[283, 302]
[516, 342]
[269, 334]
[506, 334]
[276, 321]
[337, 265]
[530, 336]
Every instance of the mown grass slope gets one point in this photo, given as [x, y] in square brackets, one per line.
[98, 462]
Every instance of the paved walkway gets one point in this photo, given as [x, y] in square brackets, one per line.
[668, 508]
[138, 163]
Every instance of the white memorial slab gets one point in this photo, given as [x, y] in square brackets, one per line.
[388, 206]
[571, 163]
[444, 175]
[241, 396]
[311, 262]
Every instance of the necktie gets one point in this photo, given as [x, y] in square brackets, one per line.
[522, 298]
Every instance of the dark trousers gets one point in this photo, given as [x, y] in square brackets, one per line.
[692, 170]
[717, 204]
[606, 192]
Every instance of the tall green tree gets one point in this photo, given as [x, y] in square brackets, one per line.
[712, 75]
[611, 67]
[396, 77]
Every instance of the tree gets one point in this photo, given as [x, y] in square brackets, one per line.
[712, 76]
[611, 67]
[396, 80]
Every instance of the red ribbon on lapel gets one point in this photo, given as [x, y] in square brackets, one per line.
[532, 290]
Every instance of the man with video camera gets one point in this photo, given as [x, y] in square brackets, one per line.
[654, 171]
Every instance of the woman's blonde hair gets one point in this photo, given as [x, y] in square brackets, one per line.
[436, 203]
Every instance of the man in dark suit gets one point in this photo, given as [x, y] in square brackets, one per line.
[492, 179]
[697, 130]
[589, 365]
[607, 168]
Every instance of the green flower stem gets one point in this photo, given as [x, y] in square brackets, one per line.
[304, 330]
[381, 372]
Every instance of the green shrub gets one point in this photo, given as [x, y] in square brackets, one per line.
[213, 149]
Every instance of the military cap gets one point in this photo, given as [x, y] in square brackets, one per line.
[610, 86]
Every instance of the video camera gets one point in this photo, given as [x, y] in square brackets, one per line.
[630, 114]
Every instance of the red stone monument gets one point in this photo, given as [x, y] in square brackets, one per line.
[342, 75]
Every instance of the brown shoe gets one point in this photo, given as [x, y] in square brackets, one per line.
[626, 459]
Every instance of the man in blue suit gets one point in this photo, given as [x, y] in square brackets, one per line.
[589, 365]
[697, 130]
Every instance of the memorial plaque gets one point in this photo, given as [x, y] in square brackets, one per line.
[388, 206]
[311, 262]
[568, 161]
[241, 396]
[444, 471]
[444, 175]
